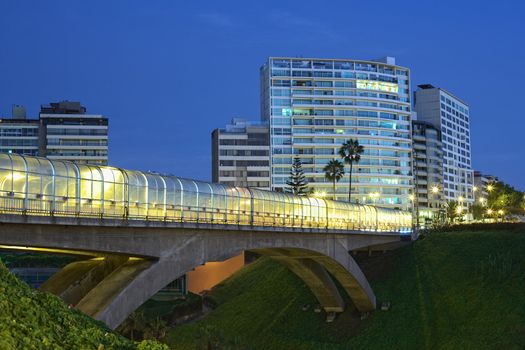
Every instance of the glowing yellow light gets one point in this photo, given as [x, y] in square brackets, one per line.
[320, 194]
[501, 212]
[459, 210]
[461, 199]
[373, 194]
[475, 188]
[17, 176]
[489, 211]
[482, 200]
[490, 188]
[411, 197]
[435, 189]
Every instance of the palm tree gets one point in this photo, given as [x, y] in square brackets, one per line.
[334, 171]
[351, 152]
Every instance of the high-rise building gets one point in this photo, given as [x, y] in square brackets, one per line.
[428, 169]
[68, 133]
[240, 154]
[451, 116]
[314, 105]
[63, 131]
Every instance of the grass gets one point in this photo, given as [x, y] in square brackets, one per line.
[30, 319]
[455, 290]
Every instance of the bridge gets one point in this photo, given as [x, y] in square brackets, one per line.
[140, 231]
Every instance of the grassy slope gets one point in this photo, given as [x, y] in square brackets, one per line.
[461, 290]
[30, 319]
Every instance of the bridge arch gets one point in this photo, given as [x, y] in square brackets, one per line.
[314, 265]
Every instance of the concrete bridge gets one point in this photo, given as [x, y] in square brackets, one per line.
[145, 230]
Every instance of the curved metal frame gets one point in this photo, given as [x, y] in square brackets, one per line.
[108, 192]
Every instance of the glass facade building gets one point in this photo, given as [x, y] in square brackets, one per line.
[44, 187]
[314, 105]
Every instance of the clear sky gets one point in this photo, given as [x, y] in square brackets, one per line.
[168, 72]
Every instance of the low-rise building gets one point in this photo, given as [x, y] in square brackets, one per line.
[240, 154]
[62, 131]
[68, 133]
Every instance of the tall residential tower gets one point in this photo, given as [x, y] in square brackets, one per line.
[451, 116]
[313, 105]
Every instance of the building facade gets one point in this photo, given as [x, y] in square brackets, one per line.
[483, 184]
[68, 133]
[428, 169]
[240, 155]
[19, 136]
[62, 131]
[451, 116]
[314, 105]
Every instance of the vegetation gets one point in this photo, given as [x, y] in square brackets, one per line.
[30, 319]
[461, 289]
[452, 211]
[297, 182]
[11, 260]
[505, 198]
[351, 152]
[153, 318]
[334, 171]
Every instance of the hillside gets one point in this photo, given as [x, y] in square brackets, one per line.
[30, 319]
[453, 290]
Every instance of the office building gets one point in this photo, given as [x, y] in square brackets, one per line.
[428, 169]
[67, 132]
[314, 105]
[451, 116]
[18, 134]
[240, 155]
[62, 131]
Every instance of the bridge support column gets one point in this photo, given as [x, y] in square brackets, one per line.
[317, 279]
[76, 279]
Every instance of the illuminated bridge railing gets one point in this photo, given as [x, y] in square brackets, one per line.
[38, 186]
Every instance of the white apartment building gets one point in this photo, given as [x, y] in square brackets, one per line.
[313, 105]
[451, 115]
[240, 155]
[68, 133]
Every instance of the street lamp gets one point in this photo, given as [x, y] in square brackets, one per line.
[434, 189]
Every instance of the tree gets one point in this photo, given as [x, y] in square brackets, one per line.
[155, 329]
[452, 211]
[297, 182]
[334, 171]
[351, 152]
[132, 324]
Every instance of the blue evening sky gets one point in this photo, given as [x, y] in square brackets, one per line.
[167, 72]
